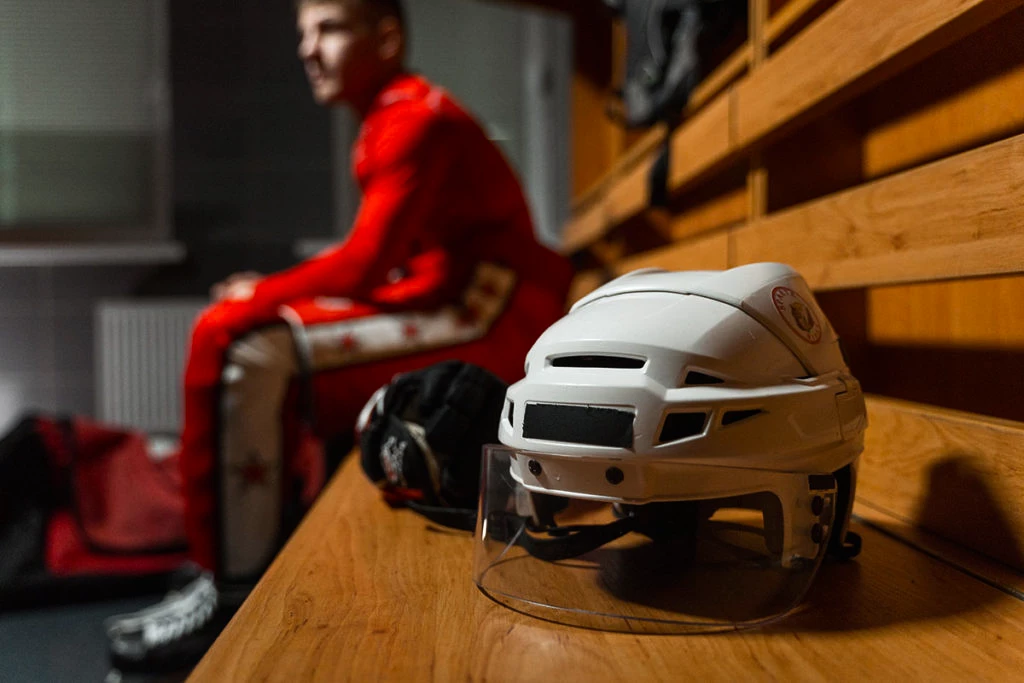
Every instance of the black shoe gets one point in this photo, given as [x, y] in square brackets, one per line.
[174, 634]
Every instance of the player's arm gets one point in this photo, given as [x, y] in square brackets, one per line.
[402, 197]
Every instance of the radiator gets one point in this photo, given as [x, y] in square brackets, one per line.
[140, 351]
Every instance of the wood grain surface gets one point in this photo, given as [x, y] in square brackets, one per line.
[825, 64]
[704, 252]
[833, 58]
[967, 95]
[366, 593]
[788, 16]
[981, 567]
[586, 226]
[725, 209]
[967, 314]
[701, 143]
[957, 217]
[956, 474]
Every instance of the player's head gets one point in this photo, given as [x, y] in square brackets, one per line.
[350, 48]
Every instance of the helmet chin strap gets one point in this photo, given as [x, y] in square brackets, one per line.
[566, 543]
[659, 523]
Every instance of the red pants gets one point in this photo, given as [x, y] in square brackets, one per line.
[247, 374]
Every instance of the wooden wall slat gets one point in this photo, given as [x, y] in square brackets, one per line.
[586, 226]
[590, 221]
[992, 108]
[701, 143]
[788, 16]
[825, 64]
[641, 146]
[624, 193]
[710, 252]
[727, 72]
[831, 59]
[957, 217]
[966, 96]
[719, 211]
[631, 194]
[641, 150]
[952, 261]
[981, 313]
[956, 474]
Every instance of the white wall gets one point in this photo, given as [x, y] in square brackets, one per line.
[46, 335]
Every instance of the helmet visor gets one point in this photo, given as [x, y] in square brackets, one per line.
[697, 564]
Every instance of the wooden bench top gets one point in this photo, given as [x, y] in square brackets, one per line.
[364, 592]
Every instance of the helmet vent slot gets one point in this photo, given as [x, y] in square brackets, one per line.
[734, 416]
[682, 425]
[595, 361]
[696, 377]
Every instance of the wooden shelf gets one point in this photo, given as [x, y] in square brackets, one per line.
[983, 568]
[959, 217]
[931, 466]
[962, 216]
[723, 210]
[363, 592]
[788, 17]
[845, 52]
[597, 210]
[839, 56]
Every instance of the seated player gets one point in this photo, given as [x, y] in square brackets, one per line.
[441, 263]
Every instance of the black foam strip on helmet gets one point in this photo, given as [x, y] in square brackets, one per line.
[579, 424]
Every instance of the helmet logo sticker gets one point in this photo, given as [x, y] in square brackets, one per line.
[392, 454]
[797, 313]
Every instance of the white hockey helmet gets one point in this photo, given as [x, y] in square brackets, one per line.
[680, 455]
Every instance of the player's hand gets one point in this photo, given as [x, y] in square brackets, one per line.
[237, 287]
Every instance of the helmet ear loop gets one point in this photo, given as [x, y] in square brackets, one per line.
[842, 546]
[848, 548]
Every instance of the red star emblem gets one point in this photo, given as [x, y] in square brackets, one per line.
[411, 331]
[349, 342]
[253, 472]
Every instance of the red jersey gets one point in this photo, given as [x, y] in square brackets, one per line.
[438, 197]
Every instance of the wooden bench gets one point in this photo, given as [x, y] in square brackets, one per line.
[363, 592]
[878, 147]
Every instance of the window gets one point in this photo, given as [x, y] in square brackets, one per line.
[84, 119]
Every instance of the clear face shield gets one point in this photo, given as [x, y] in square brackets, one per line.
[738, 548]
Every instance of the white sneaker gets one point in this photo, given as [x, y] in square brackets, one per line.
[181, 613]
